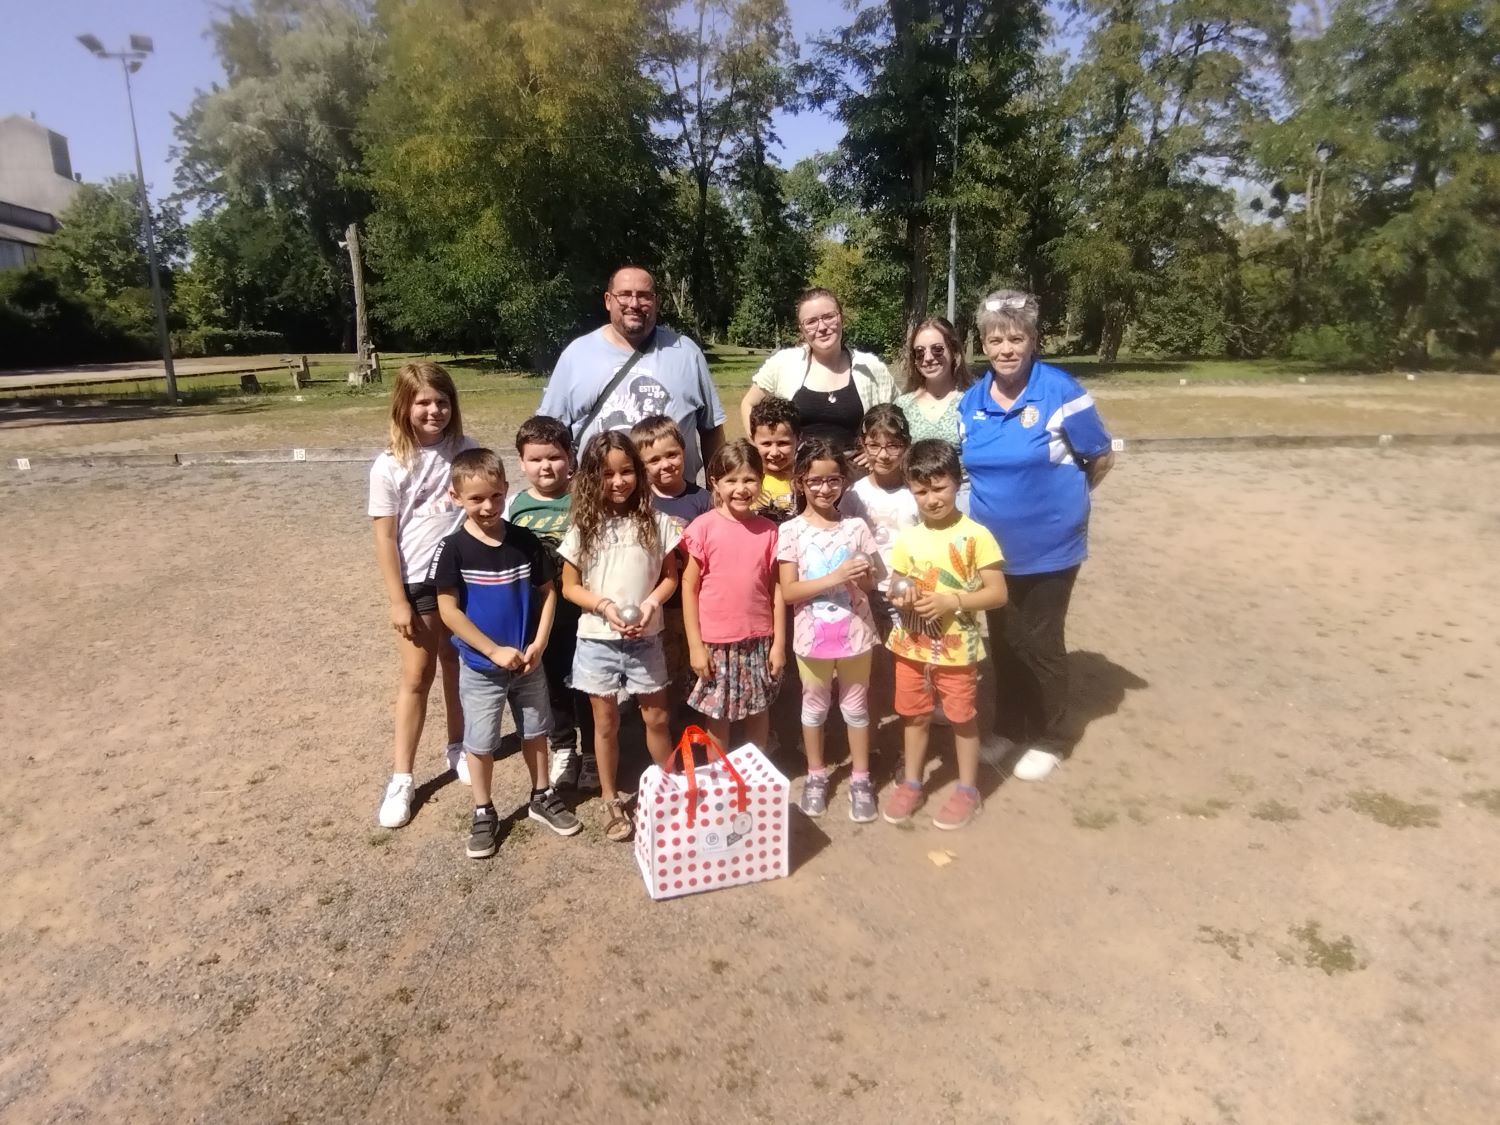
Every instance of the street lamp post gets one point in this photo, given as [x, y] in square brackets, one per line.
[130, 62]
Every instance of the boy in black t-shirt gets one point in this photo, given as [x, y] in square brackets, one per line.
[496, 595]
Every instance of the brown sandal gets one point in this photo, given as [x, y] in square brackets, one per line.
[617, 826]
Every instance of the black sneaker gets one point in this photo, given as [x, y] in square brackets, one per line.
[548, 809]
[484, 834]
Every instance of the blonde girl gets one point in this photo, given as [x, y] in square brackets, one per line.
[618, 567]
[829, 564]
[731, 604]
[412, 511]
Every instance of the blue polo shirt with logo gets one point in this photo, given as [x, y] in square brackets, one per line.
[1025, 467]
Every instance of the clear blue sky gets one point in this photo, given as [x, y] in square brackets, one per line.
[47, 73]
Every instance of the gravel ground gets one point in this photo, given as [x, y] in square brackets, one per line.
[1263, 889]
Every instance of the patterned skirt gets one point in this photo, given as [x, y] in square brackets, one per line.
[742, 684]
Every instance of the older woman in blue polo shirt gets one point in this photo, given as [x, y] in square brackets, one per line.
[1034, 448]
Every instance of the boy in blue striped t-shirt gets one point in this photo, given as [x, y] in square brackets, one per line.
[496, 594]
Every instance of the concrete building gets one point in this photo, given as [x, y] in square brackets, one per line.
[36, 186]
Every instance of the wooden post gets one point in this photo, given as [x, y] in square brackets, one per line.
[304, 376]
[361, 319]
[374, 367]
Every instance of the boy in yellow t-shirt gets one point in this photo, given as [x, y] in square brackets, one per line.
[773, 432]
[953, 566]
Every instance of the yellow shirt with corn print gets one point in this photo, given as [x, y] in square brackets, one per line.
[948, 561]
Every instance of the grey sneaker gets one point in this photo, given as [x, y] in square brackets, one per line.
[547, 808]
[815, 795]
[484, 834]
[588, 776]
[862, 807]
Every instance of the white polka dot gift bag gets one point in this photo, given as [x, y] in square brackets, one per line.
[714, 825]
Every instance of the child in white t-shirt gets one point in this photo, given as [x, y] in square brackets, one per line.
[883, 500]
[619, 568]
[413, 510]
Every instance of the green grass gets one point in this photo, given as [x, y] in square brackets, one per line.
[1393, 812]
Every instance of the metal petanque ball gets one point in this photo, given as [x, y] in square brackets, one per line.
[630, 614]
[900, 588]
[860, 556]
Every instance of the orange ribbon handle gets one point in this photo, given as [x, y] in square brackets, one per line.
[697, 736]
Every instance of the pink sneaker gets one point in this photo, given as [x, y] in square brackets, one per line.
[962, 806]
[903, 801]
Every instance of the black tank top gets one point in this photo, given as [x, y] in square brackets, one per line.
[835, 415]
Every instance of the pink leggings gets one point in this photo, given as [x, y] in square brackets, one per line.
[853, 674]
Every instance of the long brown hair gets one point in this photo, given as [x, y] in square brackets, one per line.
[589, 509]
[963, 378]
[411, 380]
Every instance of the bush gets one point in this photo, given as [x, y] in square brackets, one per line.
[1339, 345]
[43, 324]
[226, 341]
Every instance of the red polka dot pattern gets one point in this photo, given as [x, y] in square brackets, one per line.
[685, 844]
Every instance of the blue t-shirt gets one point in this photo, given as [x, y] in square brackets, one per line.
[500, 588]
[1029, 487]
[670, 378]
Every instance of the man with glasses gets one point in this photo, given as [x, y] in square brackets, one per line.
[633, 368]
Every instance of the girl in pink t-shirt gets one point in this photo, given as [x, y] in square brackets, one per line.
[731, 603]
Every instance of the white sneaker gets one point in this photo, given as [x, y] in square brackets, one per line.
[1034, 765]
[563, 773]
[395, 807]
[458, 761]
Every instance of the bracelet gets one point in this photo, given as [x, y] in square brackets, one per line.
[601, 603]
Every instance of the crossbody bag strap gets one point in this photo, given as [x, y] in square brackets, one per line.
[609, 389]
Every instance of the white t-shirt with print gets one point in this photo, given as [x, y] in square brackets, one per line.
[887, 512]
[620, 567]
[418, 499]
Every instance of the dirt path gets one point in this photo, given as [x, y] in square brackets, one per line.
[1264, 889]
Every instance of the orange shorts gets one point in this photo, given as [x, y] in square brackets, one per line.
[956, 687]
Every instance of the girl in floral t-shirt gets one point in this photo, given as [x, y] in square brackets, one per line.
[829, 563]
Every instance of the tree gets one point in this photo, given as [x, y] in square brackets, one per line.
[514, 168]
[725, 70]
[893, 76]
[258, 269]
[1164, 96]
[1387, 176]
[99, 255]
[280, 138]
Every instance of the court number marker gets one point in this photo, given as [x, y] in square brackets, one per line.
[299, 455]
[1117, 445]
[24, 464]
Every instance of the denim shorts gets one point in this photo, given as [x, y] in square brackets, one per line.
[638, 667]
[484, 696]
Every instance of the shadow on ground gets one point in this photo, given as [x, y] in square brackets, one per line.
[24, 413]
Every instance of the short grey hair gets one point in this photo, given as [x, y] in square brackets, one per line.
[1007, 308]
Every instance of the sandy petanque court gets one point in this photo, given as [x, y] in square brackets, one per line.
[1264, 889]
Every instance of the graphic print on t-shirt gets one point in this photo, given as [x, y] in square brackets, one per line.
[641, 396]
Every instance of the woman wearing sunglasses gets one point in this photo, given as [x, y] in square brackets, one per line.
[1034, 447]
[936, 378]
[831, 385]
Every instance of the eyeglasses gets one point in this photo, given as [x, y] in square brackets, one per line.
[826, 318]
[937, 351]
[817, 484]
[881, 447]
[627, 297]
